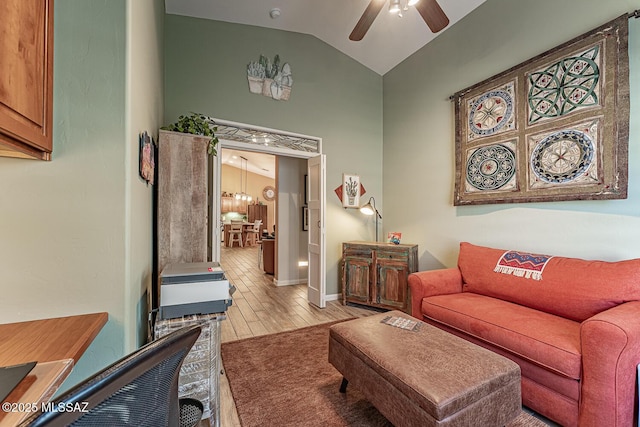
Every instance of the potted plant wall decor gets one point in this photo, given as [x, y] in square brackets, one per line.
[350, 191]
[269, 79]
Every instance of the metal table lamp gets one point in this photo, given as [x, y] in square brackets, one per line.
[370, 209]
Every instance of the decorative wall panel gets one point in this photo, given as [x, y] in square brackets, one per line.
[555, 127]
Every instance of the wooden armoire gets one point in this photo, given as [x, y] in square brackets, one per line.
[256, 212]
[182, 198]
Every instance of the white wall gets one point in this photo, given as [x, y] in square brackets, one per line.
[292, 241]
[419, 163]
[145, 65]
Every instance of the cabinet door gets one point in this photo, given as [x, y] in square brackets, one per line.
[257, 212]
[26, 78]
[391, 281]
[239, 206]
[356, 280]
[226, 204]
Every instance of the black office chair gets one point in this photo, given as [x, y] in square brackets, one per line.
[140, 389]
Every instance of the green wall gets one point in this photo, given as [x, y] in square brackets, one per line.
[62, 245]
[76, 231]
[333, 97]
[419, 138]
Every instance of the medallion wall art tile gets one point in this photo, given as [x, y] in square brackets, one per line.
[553, 128]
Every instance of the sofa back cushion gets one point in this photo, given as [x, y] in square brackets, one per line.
[569, 287]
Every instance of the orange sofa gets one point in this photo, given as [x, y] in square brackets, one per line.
[572, 325]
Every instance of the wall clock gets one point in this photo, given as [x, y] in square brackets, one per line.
[269, 193]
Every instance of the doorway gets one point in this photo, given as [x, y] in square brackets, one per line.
[290, 150]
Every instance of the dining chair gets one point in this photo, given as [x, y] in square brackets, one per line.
[235, 234]
[253, 234]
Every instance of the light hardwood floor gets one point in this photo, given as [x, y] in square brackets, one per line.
[259, 307]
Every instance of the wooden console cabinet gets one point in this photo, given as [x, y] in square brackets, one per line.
[375, 274]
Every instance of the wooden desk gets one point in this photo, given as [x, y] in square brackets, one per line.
[49, 339]
[38, 387]
[56, 344]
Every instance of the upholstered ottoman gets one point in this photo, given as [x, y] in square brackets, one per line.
[424, 376]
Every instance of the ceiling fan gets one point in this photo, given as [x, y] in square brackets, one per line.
[430, 11]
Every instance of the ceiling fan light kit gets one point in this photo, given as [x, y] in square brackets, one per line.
[398, 6]
[429, 10]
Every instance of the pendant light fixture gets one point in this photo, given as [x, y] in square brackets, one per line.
[242, 195]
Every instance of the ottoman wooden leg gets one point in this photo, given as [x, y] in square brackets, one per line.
[343, 385]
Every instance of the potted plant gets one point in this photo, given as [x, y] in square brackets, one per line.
[270, 71]
[196, 124]
[255, 75]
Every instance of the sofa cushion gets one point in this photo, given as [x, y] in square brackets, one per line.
[546, 340]
[569, 287]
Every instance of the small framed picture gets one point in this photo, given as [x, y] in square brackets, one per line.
[350, 191]
[394, 237]
[305, 218]
[147, 158]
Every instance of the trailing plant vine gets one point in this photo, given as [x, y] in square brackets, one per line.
[197, 124]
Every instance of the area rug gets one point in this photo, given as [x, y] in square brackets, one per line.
[285, 379]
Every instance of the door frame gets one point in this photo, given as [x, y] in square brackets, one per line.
[215, 177]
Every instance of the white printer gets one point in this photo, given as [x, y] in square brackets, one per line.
[193, 288]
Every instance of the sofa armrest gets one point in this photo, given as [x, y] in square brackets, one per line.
[433, 282]
[610, 355]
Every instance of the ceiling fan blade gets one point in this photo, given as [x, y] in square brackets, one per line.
[432, 14]
[367, 18]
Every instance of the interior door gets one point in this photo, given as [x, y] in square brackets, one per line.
[316, 288]
[215, 166]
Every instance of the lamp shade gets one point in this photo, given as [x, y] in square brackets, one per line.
[367, 209]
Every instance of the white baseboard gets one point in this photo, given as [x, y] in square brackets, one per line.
[289, 282]
[332, 297]
[329, 297]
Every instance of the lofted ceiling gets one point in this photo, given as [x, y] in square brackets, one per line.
[258, 163]
[389, 41]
